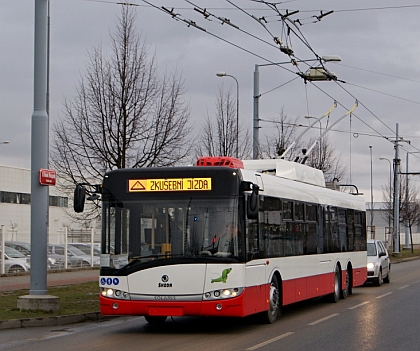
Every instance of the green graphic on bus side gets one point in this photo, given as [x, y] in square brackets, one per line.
[223, 277]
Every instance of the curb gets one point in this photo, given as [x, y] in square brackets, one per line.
[53, 321]
[399, 260]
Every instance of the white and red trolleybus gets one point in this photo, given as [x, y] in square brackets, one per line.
[226, 238]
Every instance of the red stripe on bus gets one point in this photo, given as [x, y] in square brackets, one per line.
[253, 300]
[295, 290]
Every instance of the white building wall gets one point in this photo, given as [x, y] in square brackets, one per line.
[16, 218]
[383, 228]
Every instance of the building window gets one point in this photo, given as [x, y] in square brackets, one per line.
[58, 201]
[9, 197]
[25, 199]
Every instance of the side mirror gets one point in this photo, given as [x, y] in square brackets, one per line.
[79, 198]
[253, 203]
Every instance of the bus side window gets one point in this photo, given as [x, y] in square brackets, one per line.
[252, 239]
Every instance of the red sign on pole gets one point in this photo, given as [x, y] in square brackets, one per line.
[47, 177]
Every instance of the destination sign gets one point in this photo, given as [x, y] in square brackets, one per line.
[171, 184]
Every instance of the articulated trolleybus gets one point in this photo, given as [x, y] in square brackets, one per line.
[226, 238]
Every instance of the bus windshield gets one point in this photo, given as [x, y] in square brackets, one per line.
[189, 227]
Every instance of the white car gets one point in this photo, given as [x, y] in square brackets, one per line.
[378, 262]
[86, 248]
[53, 261]
[14, 261]
[77, 257]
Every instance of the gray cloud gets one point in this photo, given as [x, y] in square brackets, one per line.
[377, 40]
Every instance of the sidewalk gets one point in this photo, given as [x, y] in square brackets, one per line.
[56, 278]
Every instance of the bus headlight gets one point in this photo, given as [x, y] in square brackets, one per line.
[222, 294]
[115, 294]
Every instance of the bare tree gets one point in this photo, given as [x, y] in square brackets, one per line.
[325, 158]
[409, 207]
[123, 115]
[283, 135]
[218, 136]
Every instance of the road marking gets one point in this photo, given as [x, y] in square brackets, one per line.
[49, 336]
[324, 319]
[270, 341]
[359, 305]
[403, 287]
[381, 296]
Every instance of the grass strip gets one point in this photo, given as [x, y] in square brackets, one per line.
[74, 299]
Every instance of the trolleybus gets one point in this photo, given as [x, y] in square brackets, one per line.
[226, 238]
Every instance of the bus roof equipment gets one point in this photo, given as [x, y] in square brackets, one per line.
[220, 161]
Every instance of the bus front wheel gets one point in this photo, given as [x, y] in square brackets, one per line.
[271, 315]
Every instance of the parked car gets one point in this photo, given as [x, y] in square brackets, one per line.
[86, 248]
[53, 261]
[14, 261]
[77, 257]
[378, 262]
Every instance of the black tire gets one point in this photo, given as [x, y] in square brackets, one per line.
[155, 319]
[346, 291]
[335, 295]
[387, 279]
[16, 269]
[271, 315]
[378, 281]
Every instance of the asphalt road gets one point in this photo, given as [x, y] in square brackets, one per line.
[373, 318]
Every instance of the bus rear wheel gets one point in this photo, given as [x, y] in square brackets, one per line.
[155, 319]
[271, 315]
[347, 289]
[335, 295]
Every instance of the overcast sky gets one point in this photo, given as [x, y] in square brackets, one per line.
[377, 41]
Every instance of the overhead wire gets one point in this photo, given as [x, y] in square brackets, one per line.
[189, 23]
[383, 93]
[343, 131]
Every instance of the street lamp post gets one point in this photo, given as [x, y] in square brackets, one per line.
[390, 186]
[223, 74]
[317, 74]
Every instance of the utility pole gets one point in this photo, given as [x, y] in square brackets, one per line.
[372, 231]
[38, 298]
[407, 222]
[396, 226]
[256, 119]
